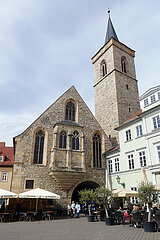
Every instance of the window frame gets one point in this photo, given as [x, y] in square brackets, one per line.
[123, 64]
[117, 164]
[103, 68]
[139, 130]
[110, 166]
[4, 176]
[131, 163]
[156, 122]
[63, 140]
[70, 111]
[128, 135]
[97, 150]
[142, 158]
[153, 98]
[1, 158]
[158, 152]
[146, 103]
[31, 180]
[39, 141]
[75, 141]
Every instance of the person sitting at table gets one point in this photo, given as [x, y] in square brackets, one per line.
[120, 209]
[3, 207]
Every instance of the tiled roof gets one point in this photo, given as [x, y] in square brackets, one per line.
[114, 148]
[135, 116]
[8, 153]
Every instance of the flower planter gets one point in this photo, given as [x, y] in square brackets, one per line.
[149, 226]
[109, 221]
[90, 218]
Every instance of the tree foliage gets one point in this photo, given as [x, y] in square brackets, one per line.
[147, 194]
[87, 196]
[104, 197]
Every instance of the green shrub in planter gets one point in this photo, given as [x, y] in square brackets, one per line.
[147, 194]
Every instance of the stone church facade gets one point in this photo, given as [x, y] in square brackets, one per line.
[56, 151]
[61, 151]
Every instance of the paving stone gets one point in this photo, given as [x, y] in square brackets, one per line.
[72, 229]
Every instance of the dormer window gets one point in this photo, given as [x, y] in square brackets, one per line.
[1, 158]
[70, 111]
[146, 102]
[153, 99]
[103, 68]
[158, 95]
[123, 64]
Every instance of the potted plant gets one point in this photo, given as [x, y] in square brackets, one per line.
[147, 194]
[104, 197]
[88, 196]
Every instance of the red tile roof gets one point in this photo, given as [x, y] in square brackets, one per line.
[134, 116]
[115, 148]
[8, 154]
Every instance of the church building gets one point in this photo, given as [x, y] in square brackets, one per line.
[61, 151]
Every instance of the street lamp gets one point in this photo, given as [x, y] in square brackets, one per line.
[119, 181]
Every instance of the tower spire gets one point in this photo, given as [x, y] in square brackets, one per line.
[110, 30]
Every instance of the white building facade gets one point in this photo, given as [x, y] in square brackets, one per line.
[139, 139]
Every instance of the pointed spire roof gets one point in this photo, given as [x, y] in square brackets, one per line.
[110, 30]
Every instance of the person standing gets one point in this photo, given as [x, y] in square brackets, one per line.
[73, 208]
[69, 210]
[78, 208]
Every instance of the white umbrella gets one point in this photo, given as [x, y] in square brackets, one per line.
[39, 193]
[144, 175]
[157, 186]
[124, 193]
[6, 194]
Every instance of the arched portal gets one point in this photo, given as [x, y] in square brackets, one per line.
[82, 186]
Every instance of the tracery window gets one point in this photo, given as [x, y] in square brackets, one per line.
[38, 148]
[63, 140]
[123, 64]
[75, 140]
[97, 158]
[70, 111]
[103, 68]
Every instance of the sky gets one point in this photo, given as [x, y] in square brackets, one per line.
[46, 47]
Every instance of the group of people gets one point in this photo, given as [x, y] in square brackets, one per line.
[73, 209]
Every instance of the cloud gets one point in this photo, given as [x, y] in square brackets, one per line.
[46, 47]
[13, 124]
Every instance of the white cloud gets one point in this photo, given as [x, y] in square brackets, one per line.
[12, 125]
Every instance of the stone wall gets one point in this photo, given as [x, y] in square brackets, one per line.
[43, 175]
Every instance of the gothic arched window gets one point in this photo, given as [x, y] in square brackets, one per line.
[103, 68]
[38, 148]
[63, 140]
[97, 158]
[75, 140]
[70, 111]
[123, 64]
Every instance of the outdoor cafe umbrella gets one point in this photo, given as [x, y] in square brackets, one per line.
[38, 193]
[144, 175]
[157, 186]
[124, 193]
[6, 194]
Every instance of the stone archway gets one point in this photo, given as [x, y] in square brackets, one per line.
[82, 186]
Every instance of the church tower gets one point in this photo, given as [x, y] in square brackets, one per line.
[115, 84]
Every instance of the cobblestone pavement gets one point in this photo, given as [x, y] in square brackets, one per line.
[71, 229]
